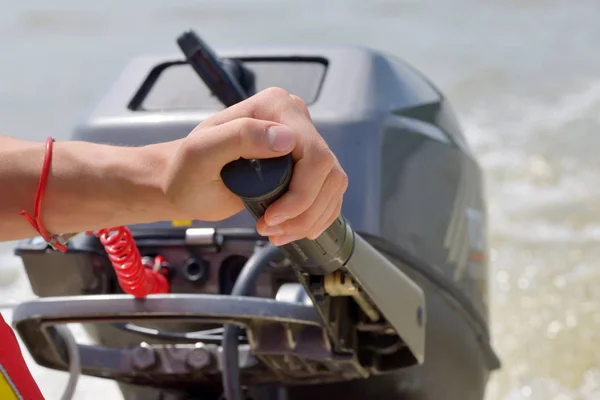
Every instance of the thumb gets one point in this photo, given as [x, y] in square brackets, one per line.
[249, 138]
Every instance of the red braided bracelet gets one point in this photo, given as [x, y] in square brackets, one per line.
[36, 222]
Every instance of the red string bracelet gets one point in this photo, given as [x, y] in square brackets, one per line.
[36, 221]
[134, 277]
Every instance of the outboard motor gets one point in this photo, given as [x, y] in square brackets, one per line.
[389, 303]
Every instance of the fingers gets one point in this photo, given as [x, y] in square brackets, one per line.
[277, 105]
[246, 138]
[331, 213]
[318, 181]
[318, 216]
[271, 104]
[307, 181]
[313, 163]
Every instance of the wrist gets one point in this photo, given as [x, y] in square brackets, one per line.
[93, 186]
[145, 172]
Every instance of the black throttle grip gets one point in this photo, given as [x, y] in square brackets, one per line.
[259, 183]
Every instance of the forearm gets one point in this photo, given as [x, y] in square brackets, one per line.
[90, 186]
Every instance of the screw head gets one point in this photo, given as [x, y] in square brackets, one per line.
[143, 356]
[198, 358]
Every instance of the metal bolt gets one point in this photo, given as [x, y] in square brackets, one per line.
[143, 356]
[198, 358]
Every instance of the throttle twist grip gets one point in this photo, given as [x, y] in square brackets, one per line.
[259, 183]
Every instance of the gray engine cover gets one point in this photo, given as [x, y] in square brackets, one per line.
[413, 180]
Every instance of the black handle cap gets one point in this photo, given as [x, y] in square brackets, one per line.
[258, 182]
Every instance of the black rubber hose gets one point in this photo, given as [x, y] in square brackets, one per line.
[243, 287]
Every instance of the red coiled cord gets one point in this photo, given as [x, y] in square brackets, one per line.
[134, 277]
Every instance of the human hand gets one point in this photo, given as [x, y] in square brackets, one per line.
[269, 124]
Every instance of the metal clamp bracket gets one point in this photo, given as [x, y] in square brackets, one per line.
[286, 342]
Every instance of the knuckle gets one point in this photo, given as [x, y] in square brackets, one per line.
[300, 103]
[276, 92]
[189, 148]
[242, 125]
[326, 159]
[248, 131]
[247, 126]
[207, 123]
[338, 174]
[343, 177]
